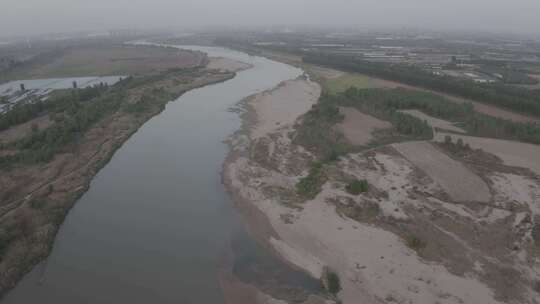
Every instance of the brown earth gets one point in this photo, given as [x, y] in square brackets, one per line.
[22, 130]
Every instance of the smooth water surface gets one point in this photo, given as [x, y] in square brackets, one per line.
[156, 220]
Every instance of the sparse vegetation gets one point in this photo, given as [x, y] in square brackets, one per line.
[365, 211]
[536, 233]
[342, 83]
[415, 242]
[385, 103]
[513, 98]
[309, 186]
[357, 187]
[24, 112]
[316, 131]
[331, 281]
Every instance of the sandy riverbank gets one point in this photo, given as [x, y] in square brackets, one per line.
[227, 65]
[369, 253]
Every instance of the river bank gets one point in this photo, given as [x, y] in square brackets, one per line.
[42, 195]
[402, 241]
[156, 220]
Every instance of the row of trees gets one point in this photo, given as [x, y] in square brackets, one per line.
[26, 111]
[377, 101]
[76, 116]
[510, 97]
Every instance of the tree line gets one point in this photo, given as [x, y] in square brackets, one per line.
[510, 97]
[73, 114]
[26, 111]
[376, 101]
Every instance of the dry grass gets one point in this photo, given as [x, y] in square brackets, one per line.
[20, 131]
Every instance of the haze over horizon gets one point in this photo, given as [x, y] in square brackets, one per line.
[36, 16]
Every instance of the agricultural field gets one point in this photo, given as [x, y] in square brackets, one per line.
[347, 80]
[107, 60]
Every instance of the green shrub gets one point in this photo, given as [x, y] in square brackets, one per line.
[309, 186]
[331, 281]
[415, 242]
[357, 187]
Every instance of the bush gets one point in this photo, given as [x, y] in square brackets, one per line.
[357, 187]
[330, 281]
[536, 233]
[309, 186]
[415, 242]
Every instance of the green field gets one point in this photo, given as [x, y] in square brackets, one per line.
[342, 83]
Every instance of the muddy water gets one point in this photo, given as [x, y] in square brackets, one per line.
[156, 220]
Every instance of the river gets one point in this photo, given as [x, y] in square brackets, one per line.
[156, 220]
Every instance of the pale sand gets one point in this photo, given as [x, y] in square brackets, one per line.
[456, 179]
[374, 265]
[227, 65]
[283, 105]
[391, 173]
[434, 122]
[357, 126]
[516, 188]
[512, 153]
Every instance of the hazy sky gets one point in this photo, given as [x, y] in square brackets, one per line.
[40, 16]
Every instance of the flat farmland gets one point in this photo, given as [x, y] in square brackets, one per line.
[347, 80]
[108, 60]
[456, 179]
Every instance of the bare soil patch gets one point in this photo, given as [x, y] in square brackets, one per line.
[358, 127]
[512, 153]
[456, 179]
